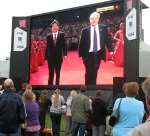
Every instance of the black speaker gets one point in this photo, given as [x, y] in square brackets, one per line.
[17, 83]
[2, 79]
[117, 87]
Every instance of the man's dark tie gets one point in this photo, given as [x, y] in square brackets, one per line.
[54, 39]
[95, 41]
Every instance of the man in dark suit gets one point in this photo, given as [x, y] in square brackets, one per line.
[93, 42]
[56, 49]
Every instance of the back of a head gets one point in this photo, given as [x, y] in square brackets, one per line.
[57, 91]
[44, 92]
[73, 93]
[8, 84]
[98, 93]
[24, 86]
[146, 87]
[28, 96]
[28, 87]
[43, 96]
[83, 89]
[55, 22]
[94, 15]
[131, 89]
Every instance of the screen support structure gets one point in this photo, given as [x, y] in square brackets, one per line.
[132, 39]
[19, 60]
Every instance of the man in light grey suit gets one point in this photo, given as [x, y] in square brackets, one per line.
[144, 129]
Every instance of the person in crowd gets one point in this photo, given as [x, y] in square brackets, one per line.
[68, 112]
[56, 111]
[89, 120]
[44, 102]
[32, 125]
[144, 129]
[119, 48]
[80, 108]
[23, 88]
[12, 111]
[131, 110]
[93, 42]
[28, 87]
[98, 115]
[1, 89]
[55, 50]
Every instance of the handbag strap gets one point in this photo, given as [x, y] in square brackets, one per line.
[119, 107]
[119, 103]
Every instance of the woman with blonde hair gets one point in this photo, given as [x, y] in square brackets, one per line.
[68, 112]
[29, 88]
[131, 110]
[56, 111]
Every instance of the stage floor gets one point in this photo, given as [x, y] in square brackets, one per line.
[72, 72]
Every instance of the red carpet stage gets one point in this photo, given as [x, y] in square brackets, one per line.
[72, 72]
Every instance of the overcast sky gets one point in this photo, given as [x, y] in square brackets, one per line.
[10, 8]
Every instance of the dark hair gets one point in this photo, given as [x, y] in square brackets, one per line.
[43, 96]
[98, 93]
[83, 88]
[55, 22]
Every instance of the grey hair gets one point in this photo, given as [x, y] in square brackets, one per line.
[95, 14]
[146, 86]
[8, 84]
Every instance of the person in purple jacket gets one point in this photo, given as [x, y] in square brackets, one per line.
[32, 126]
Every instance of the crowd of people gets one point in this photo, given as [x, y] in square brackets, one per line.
[24, 113]
[72, 30]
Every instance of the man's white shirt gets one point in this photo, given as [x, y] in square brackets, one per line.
[92, 38]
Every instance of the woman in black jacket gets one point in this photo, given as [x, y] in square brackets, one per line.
[99, 113]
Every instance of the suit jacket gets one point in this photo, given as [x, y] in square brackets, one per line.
[84, 44]
[55, 52]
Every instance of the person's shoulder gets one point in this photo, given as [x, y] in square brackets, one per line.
[141, 129]
[85, 97]
[61, 96]
[99, 100]
[18, 96]
[61, 32]
[102, 26]
[48, 34]
[119, 99]
[77, 97]
[141, 103]
[86, 28]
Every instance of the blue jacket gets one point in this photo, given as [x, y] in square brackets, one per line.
[131, 113]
